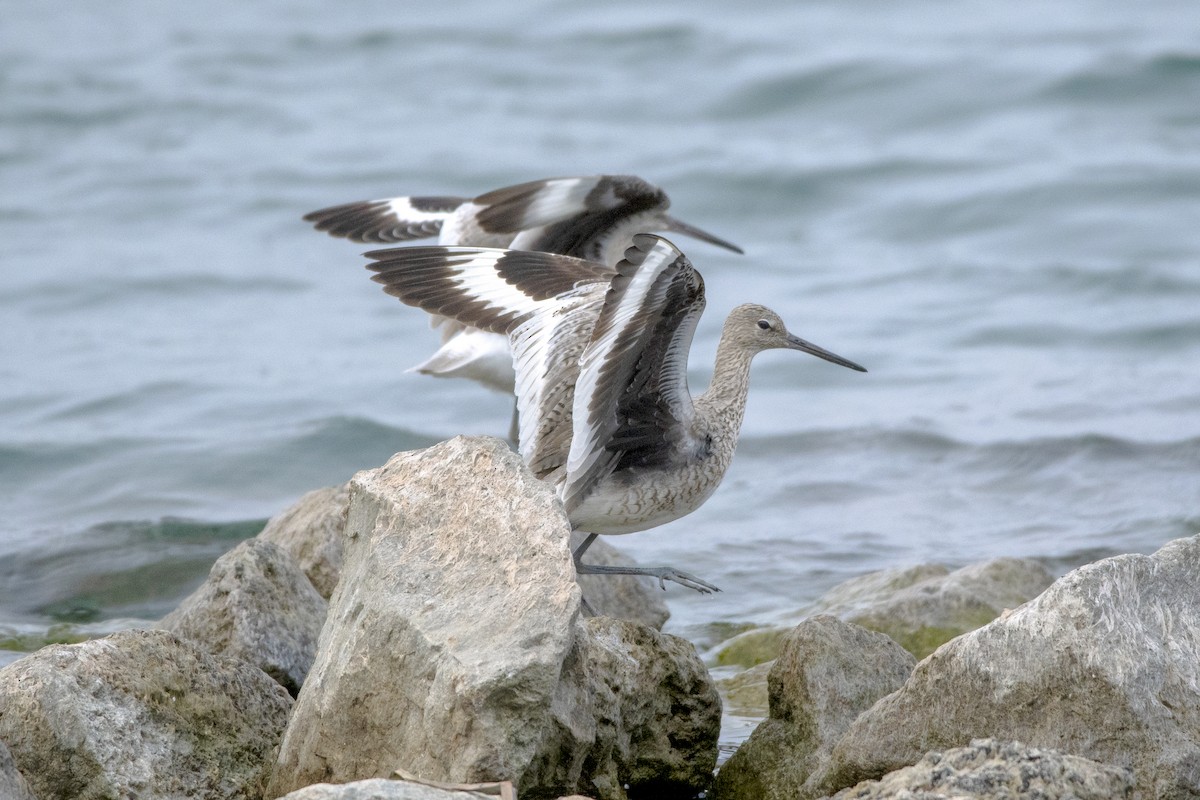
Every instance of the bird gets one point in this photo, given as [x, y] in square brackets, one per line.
[600, 356]
[591, 218]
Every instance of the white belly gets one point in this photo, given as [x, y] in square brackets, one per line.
[635, 502]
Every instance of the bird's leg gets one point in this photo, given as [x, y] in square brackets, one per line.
[663, 574]
[514, 428]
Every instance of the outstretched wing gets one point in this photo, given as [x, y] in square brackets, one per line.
[632, 406]
[545, 302]
[572, 216]
[490, 289]
[397, 219]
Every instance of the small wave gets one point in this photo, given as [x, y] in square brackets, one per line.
[139, 568]
[1165, 76]
[57, 296]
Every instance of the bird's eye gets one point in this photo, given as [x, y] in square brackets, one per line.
[764, 324]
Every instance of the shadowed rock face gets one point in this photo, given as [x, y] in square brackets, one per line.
[454, 648]
[311, 531]
[140, 714]
[1104, 664]
[259, 606]
[13, 785]
[827, 673]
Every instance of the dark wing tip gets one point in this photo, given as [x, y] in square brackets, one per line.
[376, 221]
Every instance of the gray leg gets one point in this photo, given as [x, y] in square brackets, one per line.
[663, 574]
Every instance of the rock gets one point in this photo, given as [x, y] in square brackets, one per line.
[631, 597]
[12, 783]
[643, 713]
[753, 647]
[745, 693]
[926, 606]
[380, 789]
[259, 606]
[828, 672]
[920, 607]
[311, 531]
[992, 770]
[140, 714]
[1105, 664]
[454, 648]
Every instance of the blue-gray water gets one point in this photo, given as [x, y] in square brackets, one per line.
[994, 207]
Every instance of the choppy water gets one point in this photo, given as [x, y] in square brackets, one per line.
[994, 207]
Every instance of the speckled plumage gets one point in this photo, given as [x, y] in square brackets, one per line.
[601, 374]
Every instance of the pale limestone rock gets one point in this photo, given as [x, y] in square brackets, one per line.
[312, 531]
[924, 607]
[1105, 664]
[454, 648]
[920, 607]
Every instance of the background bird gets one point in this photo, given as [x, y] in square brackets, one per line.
[592, 218]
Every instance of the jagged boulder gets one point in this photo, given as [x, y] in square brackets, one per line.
[992, 770]
[311, 531]
[921, 607]
[140, 714]
[257, 605]
[454, 648]
[1105, 664]
[828, 672]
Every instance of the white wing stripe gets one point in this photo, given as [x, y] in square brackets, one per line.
[584, 444]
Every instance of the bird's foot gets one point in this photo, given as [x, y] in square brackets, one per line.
[663, 574]
[687, 579]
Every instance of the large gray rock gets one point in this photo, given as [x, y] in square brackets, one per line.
[140, 714]
[13, 785]
[992, 770]
[311, 531]
[1105, 664]
[920, 607]
[924, 607]
[827, 674]
[454, 648]
[259, 606]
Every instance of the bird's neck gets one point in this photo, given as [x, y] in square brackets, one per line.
[725, 397]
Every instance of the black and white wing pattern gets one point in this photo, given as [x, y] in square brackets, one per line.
[591, 217]
[396, 219]
[632, 407]
[493, 290]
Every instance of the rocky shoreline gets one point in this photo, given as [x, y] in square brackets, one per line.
[419, 633]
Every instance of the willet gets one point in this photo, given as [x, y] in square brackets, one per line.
[591, 218]
[601, 363]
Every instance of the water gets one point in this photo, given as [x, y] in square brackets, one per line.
[996, 209]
